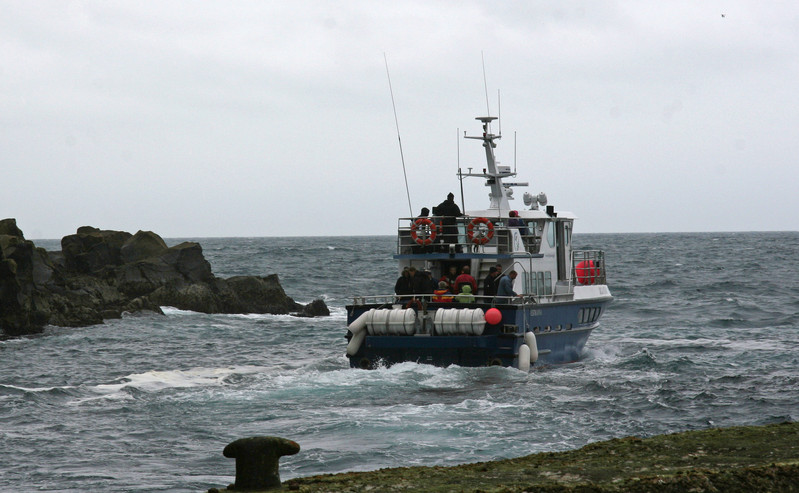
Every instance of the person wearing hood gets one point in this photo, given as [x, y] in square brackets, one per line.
[466, 295]
[442, 294]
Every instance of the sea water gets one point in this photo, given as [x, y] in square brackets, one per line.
[703, 332]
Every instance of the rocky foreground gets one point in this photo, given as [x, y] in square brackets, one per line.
[740, 459]
[100, 274]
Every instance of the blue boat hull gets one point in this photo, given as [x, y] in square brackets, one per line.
[561, 331]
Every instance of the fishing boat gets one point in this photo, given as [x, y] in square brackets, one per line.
[552, 299]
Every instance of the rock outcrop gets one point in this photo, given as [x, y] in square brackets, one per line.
[100, 274]
[738, 459]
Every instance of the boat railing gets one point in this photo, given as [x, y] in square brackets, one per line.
[588, 267]
[437, 234]
[422, 300]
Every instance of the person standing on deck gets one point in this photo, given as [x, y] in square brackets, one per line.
[466, 295]
[490, 282]
[505, 287]
[404, 287]
[465, 278]
[450, 277]
[449, 211]
[442, 294]
[420, 282]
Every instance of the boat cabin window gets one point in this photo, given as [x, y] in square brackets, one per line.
[551, 234]
[538, 283]
[567, 233]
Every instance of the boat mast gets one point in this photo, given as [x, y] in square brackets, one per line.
[498, 195]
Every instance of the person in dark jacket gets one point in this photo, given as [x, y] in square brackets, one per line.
[403, 287]
[450, 277]
[420, 282]
[449, 211]
[490, 282]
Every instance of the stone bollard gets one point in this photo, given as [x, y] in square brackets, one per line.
[257, 461]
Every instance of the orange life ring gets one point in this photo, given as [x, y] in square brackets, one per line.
[480, 238]
[414, 303]
[418, 225]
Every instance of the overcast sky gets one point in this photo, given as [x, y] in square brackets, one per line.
[274, 118]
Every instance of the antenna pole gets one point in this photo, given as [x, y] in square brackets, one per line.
[485, 83]
[460, 175]
[399, 139]
[499, 112]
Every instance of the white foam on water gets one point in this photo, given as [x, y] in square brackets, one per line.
[157, 380]
[337, 313]
[171, 310]
[753, 344]
[35, 389]
[666, 342]
[261, 316]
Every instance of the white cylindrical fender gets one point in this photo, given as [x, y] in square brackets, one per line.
[524, 357]
[355, 343]
[529, 339]
[359, 323]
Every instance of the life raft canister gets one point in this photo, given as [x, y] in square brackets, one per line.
[586, 272]
[481, 237]
[427, 228]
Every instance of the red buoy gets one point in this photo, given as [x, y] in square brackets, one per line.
[493, 316]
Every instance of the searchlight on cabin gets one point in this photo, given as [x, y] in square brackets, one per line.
[534, 202]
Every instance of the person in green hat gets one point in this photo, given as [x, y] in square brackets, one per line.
[466, 295]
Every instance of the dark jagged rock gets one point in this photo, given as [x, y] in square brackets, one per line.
[316, 308]
[197, 297]
[100, 274]
[142, 245]
[8, 227]
[91, 250]
[264, 294]
[23, 308]
[188, 259]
